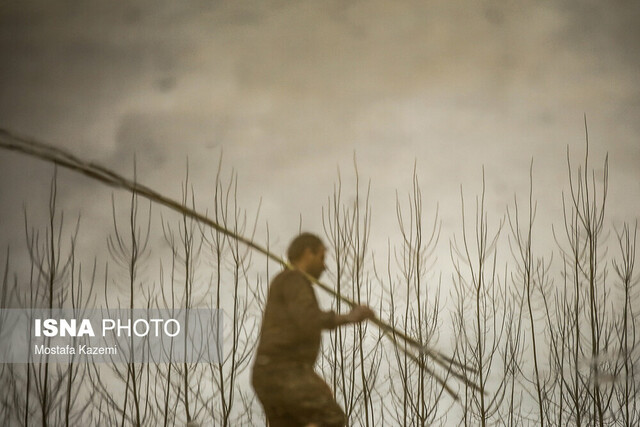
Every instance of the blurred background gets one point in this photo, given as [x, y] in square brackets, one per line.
[289, 103]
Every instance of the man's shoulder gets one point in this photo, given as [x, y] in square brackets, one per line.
[288, 277]
[289, 274]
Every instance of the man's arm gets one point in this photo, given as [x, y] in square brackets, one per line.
[303, 306]
[301, 303]
[356, 315]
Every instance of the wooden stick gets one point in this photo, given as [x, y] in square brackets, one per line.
[30, 147]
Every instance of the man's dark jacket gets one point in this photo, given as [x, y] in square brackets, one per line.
[293, 322]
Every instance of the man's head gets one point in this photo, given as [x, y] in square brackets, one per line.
[306, 252]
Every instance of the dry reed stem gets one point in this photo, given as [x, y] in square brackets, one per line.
[46, 152]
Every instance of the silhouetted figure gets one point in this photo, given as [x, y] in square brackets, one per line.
[290, 391]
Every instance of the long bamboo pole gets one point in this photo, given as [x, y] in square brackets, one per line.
[12, 142]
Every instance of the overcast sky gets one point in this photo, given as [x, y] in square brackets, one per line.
[289, 91]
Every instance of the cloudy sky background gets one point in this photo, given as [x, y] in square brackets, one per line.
[290, 91]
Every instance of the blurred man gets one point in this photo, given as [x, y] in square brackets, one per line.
[290, 391]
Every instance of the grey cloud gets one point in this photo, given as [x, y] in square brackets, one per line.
[156, 137]
[606, 28]
[290, 89]
[141, 136]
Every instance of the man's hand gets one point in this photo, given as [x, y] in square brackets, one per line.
[356, 315]
[360, 313]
